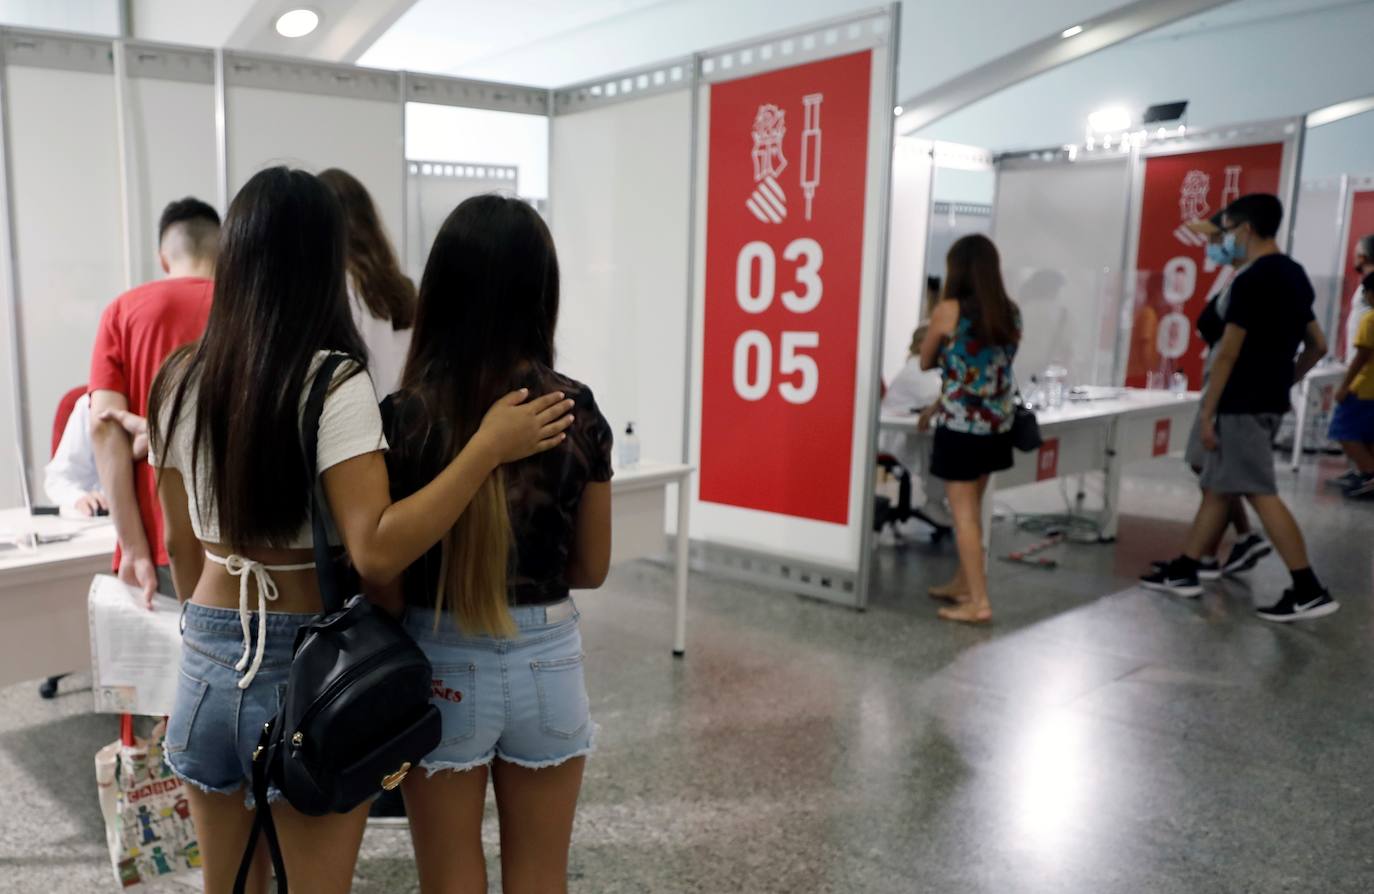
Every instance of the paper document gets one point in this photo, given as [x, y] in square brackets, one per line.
[135, 653]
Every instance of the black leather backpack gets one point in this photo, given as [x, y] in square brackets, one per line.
[357, 715]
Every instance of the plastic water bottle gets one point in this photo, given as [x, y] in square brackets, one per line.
[629, 448]
[1055, 386]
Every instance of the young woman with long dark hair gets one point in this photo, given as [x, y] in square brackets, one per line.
[491, 605]
[973, 337]
[381, 297]
[227, 443]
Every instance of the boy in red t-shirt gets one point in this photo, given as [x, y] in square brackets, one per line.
[137, 332]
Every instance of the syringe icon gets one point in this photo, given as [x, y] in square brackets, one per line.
[811, 147]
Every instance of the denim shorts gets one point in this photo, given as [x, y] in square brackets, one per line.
[215, 725]
[523, 700]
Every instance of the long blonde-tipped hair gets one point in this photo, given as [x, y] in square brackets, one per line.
[476, 556]
[486, 316]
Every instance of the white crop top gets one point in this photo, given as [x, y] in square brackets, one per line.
[350, 425]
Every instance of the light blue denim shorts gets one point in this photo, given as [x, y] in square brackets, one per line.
[215, 725]
[523, 700]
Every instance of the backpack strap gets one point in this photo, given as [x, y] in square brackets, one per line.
[263, 824]
[326, 571]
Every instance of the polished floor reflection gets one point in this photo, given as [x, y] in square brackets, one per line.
[1096, 738]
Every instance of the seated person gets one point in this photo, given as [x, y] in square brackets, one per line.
[70, 478]
[914, 390]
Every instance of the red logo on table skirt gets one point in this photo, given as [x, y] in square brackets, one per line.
[1328, 398]
[1162, 432]
[1047, 460]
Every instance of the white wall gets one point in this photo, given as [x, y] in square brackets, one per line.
[1342, 147]
[908, 235]
[1060, 229]
[68, 227]
[172, 148]
[448, 133]
[620, 209]
[362, 136]
[430, 199]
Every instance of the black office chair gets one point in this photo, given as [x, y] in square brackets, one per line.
[886, 513]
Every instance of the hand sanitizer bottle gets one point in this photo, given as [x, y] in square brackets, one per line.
[629, 448]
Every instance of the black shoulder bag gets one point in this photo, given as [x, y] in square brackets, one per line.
[1025, 428]
[357, 714]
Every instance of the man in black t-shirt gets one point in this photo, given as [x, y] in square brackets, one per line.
[1269, 316]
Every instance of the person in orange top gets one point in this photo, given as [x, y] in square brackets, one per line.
[138, 330]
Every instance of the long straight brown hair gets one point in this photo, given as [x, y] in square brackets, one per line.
[386, 292]
[279, 298]
[973, 277]
[487, 311]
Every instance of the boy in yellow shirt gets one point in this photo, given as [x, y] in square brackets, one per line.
[1353, 422]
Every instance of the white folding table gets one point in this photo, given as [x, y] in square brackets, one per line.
[43, 620]
[43, 589]
[1092, 436]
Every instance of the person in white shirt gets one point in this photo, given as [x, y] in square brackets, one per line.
[915, 390]
[71, 478]
[381, 297]
[1363, 300]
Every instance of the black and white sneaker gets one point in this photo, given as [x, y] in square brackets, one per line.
[1172, 577]
[1208, 568]
[1246, 554]
[1341, 482]
[1361, 488]
[1293, 607]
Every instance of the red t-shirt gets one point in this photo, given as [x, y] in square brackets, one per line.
[137, 332]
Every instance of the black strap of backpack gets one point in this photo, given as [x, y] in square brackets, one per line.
[331, 587]
[263, 823]
[330, 596]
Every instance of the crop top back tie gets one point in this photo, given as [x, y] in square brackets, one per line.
[244, 568]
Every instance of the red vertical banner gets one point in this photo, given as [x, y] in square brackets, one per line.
[1361, 224]
[1047, 460]
[1174, 279]
[786, 185]
[1163, 430]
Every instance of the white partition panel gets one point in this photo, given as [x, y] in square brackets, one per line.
[64, 187]
[170, 124]
[908, 236]
[1319, 244]
[800, 546]
[434, 189]
[317, 117]
[1061, 230]
[620, 202]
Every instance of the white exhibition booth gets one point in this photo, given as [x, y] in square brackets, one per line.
[720, 218]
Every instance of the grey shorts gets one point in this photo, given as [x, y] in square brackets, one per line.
[1195, 455]
[1243, 462]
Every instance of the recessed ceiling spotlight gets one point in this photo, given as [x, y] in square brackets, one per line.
[897, 111]
[1110, 119]
[297, 22]
[1071, 32]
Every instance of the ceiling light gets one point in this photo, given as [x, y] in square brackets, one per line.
[897, 111]
[297, 22]
[1111, 118]
[1071, 32]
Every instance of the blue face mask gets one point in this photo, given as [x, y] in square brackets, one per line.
[1234, 252]
[1217, 254]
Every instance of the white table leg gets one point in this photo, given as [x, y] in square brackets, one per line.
[1300, 423]
[684, 505]
[1111, 481]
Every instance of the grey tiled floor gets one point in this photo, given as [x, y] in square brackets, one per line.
[1094, 739]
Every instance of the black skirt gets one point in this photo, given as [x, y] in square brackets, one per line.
[961, 456]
